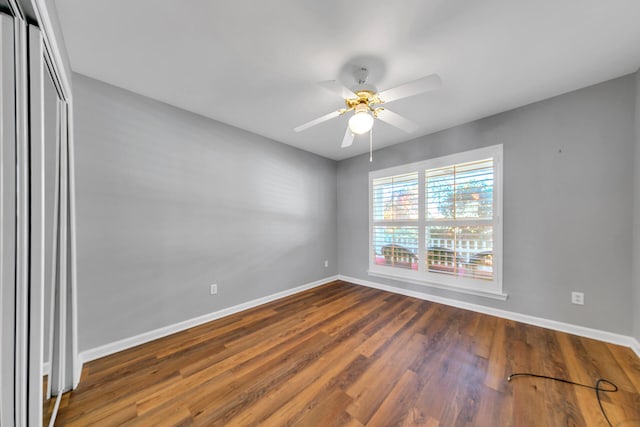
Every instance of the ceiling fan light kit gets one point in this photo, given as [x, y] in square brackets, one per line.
[362, 121]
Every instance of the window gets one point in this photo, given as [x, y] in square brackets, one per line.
[438, 222]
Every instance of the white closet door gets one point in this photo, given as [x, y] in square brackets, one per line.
[7, 220]
[37, 224]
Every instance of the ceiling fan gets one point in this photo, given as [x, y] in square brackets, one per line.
[364, 100]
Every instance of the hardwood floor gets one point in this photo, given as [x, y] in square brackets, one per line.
[345, 355]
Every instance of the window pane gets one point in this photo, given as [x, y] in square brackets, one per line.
[474, 190]
[440, 193]
[396, 246]
[475, 246]
[460, 191]
[460, 251]
[395, 198]
[441, 254]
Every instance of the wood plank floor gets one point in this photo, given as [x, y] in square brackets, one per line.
[346, 355]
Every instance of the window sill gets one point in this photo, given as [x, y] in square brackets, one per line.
[487, 294]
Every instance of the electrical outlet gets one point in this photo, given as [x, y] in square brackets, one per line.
[326, 263]
[577, 298]
[213, 289]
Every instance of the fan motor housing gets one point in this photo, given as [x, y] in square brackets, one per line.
[365, 97]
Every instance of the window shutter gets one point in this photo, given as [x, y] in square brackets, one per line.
[395, 198]
[395, 217]
[461, 191]
[459, 211]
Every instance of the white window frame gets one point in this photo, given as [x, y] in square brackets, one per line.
[488, 288]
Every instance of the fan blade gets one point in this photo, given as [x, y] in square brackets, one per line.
[348, 138]
[338, 88]
[415, 87]
[317, 121]
[397, 120]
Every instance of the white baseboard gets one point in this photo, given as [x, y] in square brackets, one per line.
[635, 346]
[114, 347]
[46, 368]
[582, 331]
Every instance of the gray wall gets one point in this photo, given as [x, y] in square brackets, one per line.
[169, 202]
[636, 217]
[568, 173]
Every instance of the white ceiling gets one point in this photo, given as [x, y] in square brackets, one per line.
[254, 64]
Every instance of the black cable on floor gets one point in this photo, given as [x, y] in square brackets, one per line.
[597, 387]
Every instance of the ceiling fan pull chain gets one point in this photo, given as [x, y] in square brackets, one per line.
[371, 145]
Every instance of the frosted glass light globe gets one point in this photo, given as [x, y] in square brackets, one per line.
[361, 122]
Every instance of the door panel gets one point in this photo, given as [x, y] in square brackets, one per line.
[7, 220]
